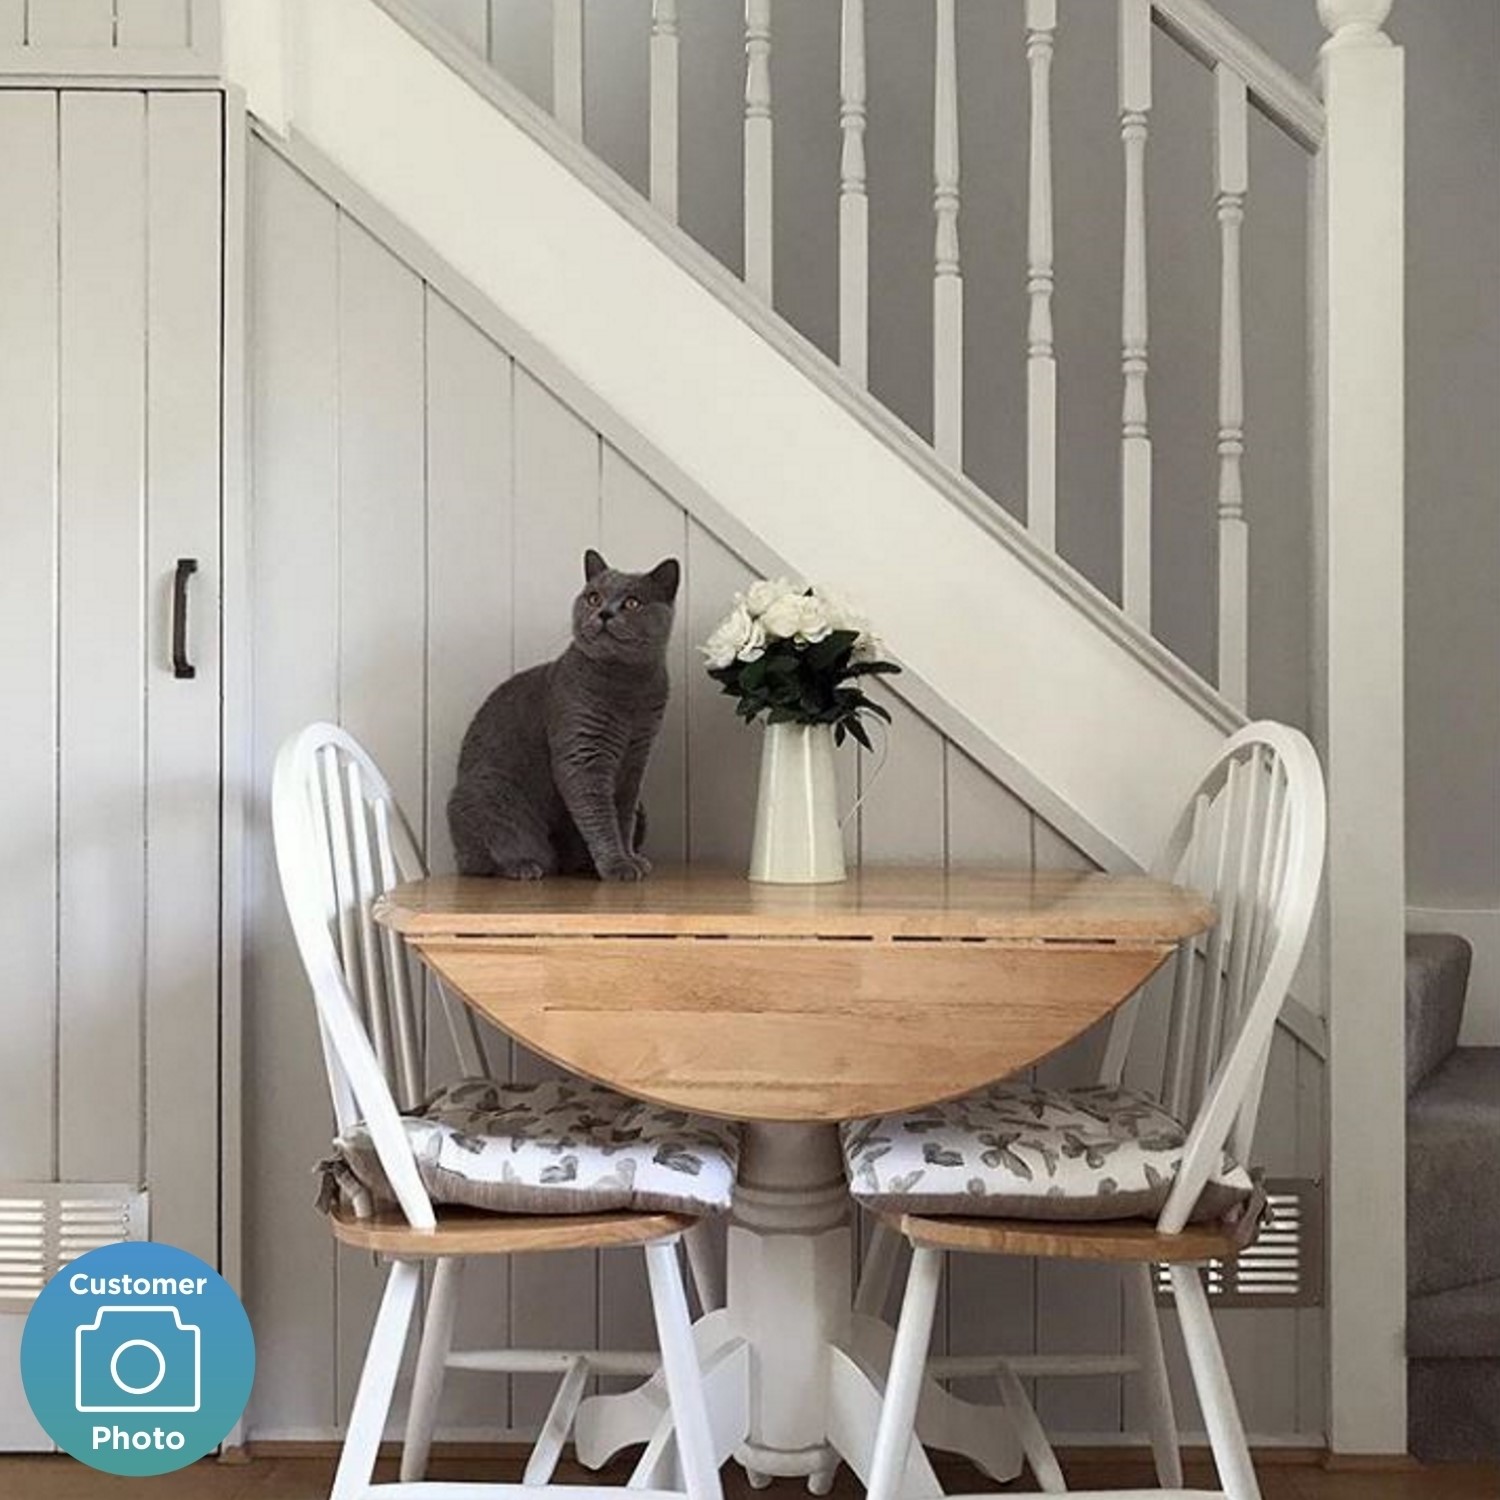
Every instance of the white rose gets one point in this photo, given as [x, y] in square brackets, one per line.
[782, 618]
[764, 592]
[730, 636]
[755, 643]
[869, 647]
[814, 623]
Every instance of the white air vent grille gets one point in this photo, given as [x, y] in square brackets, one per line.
[1284, 1267]
[44, 1225]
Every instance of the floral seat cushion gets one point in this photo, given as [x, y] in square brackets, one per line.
[559, 1146]
[1016, 1151]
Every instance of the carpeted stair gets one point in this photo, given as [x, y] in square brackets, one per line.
[1453, 1212]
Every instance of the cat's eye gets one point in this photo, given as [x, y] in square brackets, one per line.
[593, 599]
[631, 602]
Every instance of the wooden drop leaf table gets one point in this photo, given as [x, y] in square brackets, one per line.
[791, 1008]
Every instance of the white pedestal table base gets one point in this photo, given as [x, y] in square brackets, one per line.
[794, 1376]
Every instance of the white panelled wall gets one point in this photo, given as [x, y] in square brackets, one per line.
[422, 495]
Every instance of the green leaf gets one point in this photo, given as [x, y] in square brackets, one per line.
[860, 733]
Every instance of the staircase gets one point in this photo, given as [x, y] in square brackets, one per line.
[777, 442]
[1453, 1210]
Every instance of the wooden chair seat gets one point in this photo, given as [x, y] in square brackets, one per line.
[1104, 1239]
[471, 1231]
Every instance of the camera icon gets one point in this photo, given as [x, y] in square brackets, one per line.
[138, 1359]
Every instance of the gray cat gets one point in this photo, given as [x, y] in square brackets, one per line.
[549, 777]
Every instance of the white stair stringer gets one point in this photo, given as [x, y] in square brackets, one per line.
[1081, 712]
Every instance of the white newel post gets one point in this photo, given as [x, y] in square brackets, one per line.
[1358, 286]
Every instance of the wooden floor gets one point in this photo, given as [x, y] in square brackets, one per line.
[308, 1479]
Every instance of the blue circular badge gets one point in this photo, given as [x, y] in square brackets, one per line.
[137, 1358]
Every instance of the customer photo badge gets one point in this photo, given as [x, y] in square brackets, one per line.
[137, 1358]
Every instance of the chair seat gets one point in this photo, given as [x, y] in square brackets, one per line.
[1015, 1151]
[1117, 1240]
[469, 1231]
[557, 1146]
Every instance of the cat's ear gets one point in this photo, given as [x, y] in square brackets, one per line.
[666, 576]
[593, 565]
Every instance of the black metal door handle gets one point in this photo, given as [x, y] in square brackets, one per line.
[181, 666]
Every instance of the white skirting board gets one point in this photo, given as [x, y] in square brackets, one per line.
[1481, 926]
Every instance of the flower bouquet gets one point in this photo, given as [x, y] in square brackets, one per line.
[795, 655]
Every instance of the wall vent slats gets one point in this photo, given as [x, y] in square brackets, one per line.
[45, 1226]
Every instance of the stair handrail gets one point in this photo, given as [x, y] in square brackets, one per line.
[1278, 93]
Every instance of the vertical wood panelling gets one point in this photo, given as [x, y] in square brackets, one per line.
[1078, 1306]
[71, 23]
[28, 619]
[12, 23]
[1135, 429]
[991, 1299]
[101, 759]
[759, 195]
[381, 585]
[469, 572]
[294, 452]
[153, 23]
[723, 754]
[947, 279]
[183, 302]
[554, 1299]
[470, 564]
[1231, 183]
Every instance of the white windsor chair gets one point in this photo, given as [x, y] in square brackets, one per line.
[341, 841]
[1252, 839]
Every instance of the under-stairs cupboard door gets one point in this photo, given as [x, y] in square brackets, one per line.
[110, 325]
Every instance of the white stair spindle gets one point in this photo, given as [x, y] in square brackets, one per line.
[854, 203]
[947, 279]
[758, 136]
[567, 64]
[1135, 427]
[1231, 184]
[1041, 357]
[665, 107]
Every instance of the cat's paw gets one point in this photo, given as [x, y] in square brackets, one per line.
[523, 869]
[626, 867]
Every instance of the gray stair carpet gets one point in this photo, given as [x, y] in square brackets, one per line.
[1437, 980]
[1453, 1174]
[1453, 1213]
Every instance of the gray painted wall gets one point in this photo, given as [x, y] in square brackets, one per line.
[421, 500]
[1453, 59]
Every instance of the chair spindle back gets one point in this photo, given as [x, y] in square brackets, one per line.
[341, 842]
[1251, 839]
